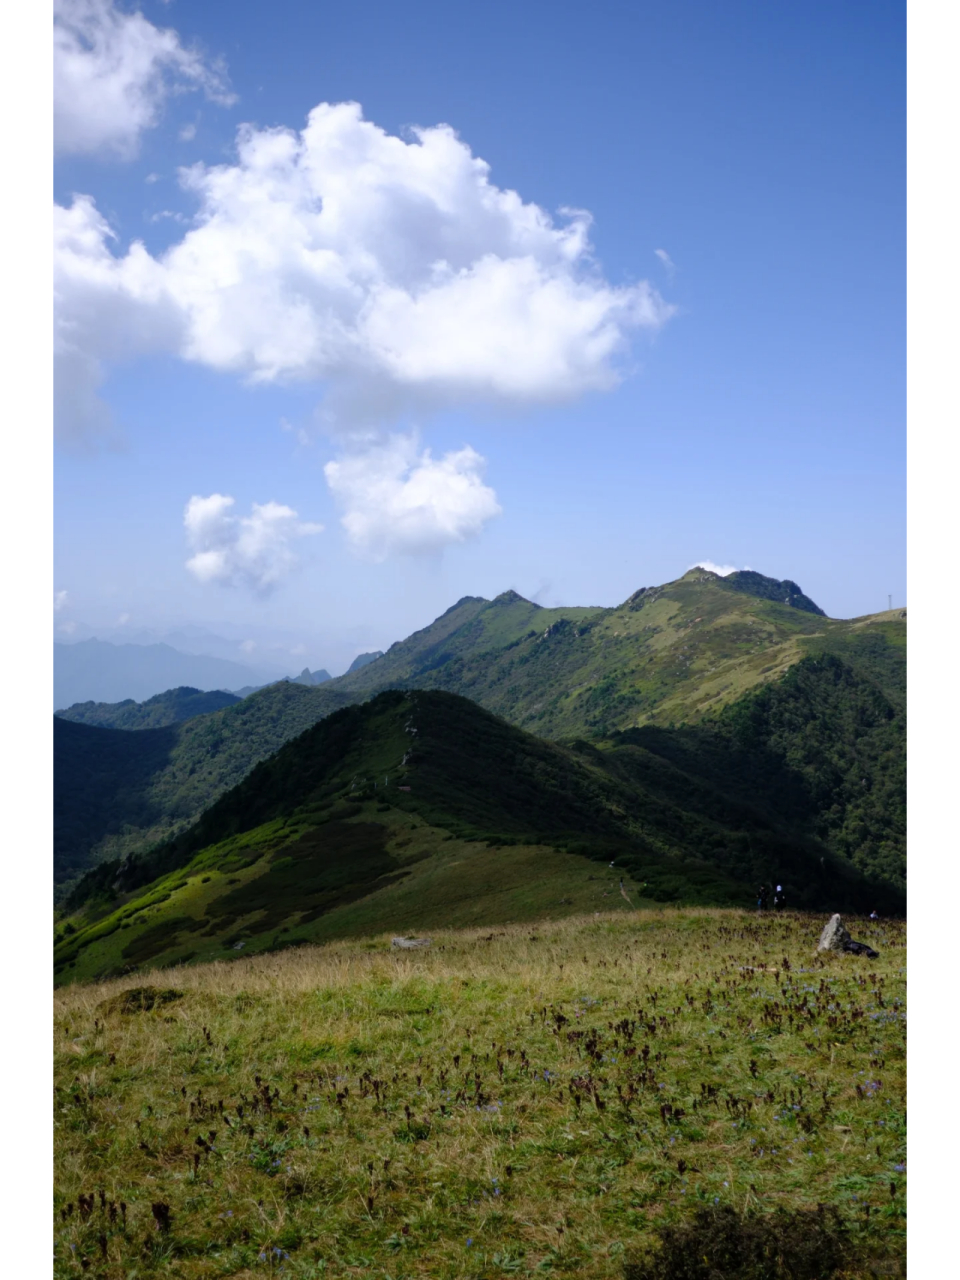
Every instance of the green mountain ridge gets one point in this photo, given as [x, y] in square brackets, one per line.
[786, 592]
[170, 707]
[342, 830]
[115, 794]
[668, 655]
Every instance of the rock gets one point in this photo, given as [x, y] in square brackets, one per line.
[836, 938]
[407, 943]
[860, 949]
[834, 935]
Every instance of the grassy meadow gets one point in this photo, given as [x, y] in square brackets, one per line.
[514, 1100]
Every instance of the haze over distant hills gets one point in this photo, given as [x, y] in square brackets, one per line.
[98, 671]
[104, 672]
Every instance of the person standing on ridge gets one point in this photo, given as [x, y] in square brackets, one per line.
[778, 898]
[762, 898]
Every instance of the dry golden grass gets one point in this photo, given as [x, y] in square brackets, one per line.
[496, 1104]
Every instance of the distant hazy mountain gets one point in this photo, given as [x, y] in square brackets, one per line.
[164, 708]
[309, 677]
[95, 670]
[306, 677]
[364, 660]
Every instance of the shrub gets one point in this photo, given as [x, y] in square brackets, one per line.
[139, 999]
[722, 1244]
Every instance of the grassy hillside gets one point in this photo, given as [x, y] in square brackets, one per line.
[103, 791]
[373, 819]
[155, 713]
[513, 1101]
[117, 791]
[822, 749]
[669, 655]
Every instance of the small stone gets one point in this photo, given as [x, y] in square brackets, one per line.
[407, 943]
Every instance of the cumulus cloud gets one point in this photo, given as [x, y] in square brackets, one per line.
[399, 499]
[722, 569]
[394, 271]
[106, 309]
[112, 72]
[253, 551]
[59, 600]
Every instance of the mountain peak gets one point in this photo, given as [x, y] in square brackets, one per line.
[364, 660]
[464, 600]
[750, 583]
[783, 592]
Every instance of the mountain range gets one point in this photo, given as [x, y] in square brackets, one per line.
[96, 670]
[715, 676]
[170, 707]
[419, 807]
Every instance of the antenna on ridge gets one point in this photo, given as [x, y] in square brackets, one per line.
[889, 602]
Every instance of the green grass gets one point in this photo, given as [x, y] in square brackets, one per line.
[522, 1100]
[224, 904]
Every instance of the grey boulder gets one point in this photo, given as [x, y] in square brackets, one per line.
[407, 943]
[836, 938]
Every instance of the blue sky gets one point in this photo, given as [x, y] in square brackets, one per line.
[744, 407]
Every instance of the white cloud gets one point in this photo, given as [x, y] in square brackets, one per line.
[399, 500]
[59, 600]
[187, 133]
[666, 260]
[112, 72]
[106, 309]
[251, 551]
[722, 569]
[393, 271]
